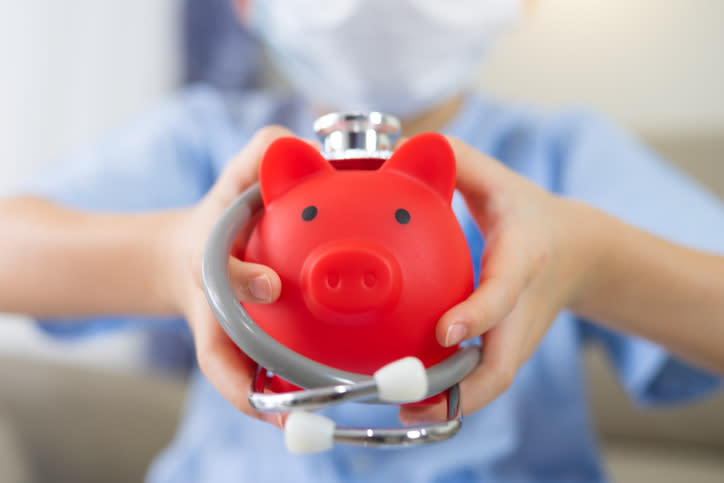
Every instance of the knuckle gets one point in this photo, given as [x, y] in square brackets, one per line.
[205, 354]
[204, 360]
[484, 318]
[269, 133]
[503, 377]
[455, 142]
[539, 260]
[240, 400]
[195, 266]
[236, 397]
[509, 293]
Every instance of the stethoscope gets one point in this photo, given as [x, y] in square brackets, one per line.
[344, 136]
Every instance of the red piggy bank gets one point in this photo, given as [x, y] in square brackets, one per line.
[369, 256]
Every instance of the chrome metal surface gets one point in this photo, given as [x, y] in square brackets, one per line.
[357, 135]
[414, 435]
[311, 399]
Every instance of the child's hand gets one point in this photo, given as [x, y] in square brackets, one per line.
[221, 361]
[531, 269]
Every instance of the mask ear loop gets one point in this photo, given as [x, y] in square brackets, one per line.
[289, 365]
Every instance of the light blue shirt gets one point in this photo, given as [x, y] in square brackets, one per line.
[539, 430]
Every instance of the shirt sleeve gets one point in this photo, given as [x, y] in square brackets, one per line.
[155, 162]
[605, 167]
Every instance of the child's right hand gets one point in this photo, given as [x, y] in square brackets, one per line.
[221, 361]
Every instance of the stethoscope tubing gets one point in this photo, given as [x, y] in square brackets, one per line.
[323, 385]
[265, 350]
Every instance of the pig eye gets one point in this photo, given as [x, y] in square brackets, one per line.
[402, 216]
[309, 213]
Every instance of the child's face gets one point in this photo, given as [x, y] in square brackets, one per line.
[344, 55]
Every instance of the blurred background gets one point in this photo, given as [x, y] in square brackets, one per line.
[72, 70]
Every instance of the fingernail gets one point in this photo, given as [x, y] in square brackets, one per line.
[414, 419]
[456, 333]
[260, 287]
[410, 421]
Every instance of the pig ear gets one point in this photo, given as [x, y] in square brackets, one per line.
[286, 163]
[429, 158]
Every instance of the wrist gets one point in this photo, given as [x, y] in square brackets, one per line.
[168, 274]
[588, 240]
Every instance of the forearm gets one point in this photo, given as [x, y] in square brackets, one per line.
[647, 286]
[56, 262]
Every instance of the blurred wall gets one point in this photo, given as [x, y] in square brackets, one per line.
[73, 69]
[655, 65]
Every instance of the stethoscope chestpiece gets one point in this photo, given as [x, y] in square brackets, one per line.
[407, 380]
[357, 135]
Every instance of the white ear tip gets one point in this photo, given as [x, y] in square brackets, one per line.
[404, 380]
[308, 433]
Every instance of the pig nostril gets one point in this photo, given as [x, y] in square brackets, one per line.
[369, 279]
[333, 280]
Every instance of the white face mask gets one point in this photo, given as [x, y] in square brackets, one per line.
[401, 57]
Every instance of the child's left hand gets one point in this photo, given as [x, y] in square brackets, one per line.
[221, 361]
[532, 268]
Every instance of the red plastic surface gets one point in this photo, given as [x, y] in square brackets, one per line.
[369, 258]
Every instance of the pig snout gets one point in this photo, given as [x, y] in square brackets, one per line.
[350, 278]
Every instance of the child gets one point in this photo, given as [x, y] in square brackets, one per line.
[556, 272]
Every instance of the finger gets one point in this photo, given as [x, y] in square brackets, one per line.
[507, 271]
[226, 367]
[239, 245]
[476, 173]
[314, 143]
[505, 349]
[539, 309]
[486, 382]
[492, 191]
[242, 171]
[253, 282]
[400, 142]
[498, 366]
[499, 362]
[419, 414]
